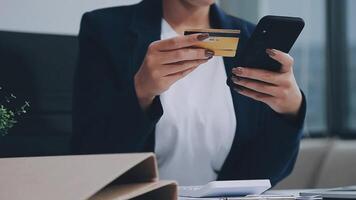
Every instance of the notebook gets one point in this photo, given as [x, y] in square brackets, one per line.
[104, 177]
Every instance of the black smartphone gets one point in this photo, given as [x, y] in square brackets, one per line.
[271, 32]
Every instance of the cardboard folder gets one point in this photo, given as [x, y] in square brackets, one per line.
[94, 177]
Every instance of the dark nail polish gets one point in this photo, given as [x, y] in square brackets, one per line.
[209, 54]
[235, 79]
[203, 36]
[270, 52]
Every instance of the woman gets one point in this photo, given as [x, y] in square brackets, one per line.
[140, 86]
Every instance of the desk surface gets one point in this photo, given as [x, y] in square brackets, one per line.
[294, 192]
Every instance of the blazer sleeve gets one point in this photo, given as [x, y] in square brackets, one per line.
[272, 150]
[280, 143]
[272, 154]
[107, 117]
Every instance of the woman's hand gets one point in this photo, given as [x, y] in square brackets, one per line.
[166, 62]
[279, 90]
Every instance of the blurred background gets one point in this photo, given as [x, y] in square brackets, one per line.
[38, 48]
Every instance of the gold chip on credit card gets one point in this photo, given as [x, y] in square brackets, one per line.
[223, 42]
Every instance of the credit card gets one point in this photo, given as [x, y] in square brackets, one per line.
[223, 42]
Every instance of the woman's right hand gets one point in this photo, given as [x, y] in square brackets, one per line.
[166, 62]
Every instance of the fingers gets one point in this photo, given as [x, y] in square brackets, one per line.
[276, 78]
[182, 66]
[278, 90]
[254, 95]
[285, 59]
[184, 54]
[258, 74]
[257, 86]
[179, 42]
[172, 78]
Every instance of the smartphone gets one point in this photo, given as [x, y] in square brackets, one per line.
[271, 32]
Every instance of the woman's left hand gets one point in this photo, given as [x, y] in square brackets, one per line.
[279, 90]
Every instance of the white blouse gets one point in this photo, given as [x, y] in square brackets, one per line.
[196, 131]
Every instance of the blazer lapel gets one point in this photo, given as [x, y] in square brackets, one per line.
[246, 121]
[220, 20]
[146, 28]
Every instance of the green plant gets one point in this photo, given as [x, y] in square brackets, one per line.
[7, 120]
[7, 115]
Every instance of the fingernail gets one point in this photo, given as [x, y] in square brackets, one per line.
[270, 52]
[235, 79]
[237, 70]
[209, 54]
[203, 36]
[238, 89]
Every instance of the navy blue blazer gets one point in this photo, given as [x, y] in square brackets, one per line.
[107, 117]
